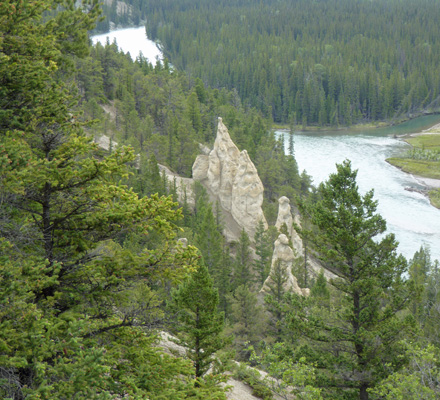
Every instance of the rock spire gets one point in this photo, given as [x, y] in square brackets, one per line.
[231, 178]
[285, 217]
[283, 257]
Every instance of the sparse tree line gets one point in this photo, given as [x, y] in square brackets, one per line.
[91, 267]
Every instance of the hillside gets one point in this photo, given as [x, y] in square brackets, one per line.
[309, 63]
[101, 250]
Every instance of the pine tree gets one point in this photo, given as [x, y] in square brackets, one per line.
[425, 275]
[208, 238]
[242, 274]
[274, 300]
[263, 250]
[248, 317]
[68, 312]
[199, 323]
[223, 281]
[364, 334]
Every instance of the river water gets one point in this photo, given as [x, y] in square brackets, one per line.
[409, 215]
[133, 41]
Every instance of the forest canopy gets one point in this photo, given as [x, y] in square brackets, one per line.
[99, 262]
[323, 62]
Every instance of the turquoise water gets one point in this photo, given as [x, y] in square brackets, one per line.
[409, 215]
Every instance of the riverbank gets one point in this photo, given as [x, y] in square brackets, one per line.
[363, 126]
[423, 163]
[312, 128]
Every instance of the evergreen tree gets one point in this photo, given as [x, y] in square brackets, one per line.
[223, 281]
[364, 335]
[425, 275]
[208, 238]
[291, 148]
[242, 274]
[420, 379]
[263, 250]
[249, 320]
[274, 300]
[69, 311]
[199, 323]
[320, 289]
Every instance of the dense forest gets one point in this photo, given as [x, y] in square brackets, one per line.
[322, 62]
[98, 259]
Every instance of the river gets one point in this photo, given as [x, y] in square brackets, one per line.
[133, 41]
[409, 215]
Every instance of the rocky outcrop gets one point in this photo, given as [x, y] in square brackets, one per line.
[285, 218]
[232, 180]
[283, 258]
[184, 186]
[105, 142]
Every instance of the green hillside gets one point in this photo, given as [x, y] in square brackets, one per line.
[94, 271]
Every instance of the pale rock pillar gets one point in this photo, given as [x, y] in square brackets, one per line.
[232, 179]
[284, 255]
[285, 217]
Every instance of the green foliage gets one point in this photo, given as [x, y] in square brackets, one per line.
[369, 280]
[253, 379]
[340, 67]
[242, 273]
[248, 318]
[263, 249]
[286, 376]
[320, 289]
[420, 379]
[277, 171]
[425, 276]
[199, 324]
[83, 259]
[208, 237]
[35, 50]
[146, 179]
[86, 263]
[274, 300]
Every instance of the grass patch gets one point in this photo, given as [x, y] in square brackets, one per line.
[428, 169]
[427, 142]
[434, 197]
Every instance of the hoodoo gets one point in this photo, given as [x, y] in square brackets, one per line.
[283, 256]
[232, 180]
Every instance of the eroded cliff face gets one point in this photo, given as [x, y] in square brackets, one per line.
[283, 259]
[285, 217]
[232, 180]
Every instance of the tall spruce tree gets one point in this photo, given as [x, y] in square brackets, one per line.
[242, 274]
[67, 285]
[274, 299]
[199, 323]
[249, 320]
[360, 339]
[263, 250]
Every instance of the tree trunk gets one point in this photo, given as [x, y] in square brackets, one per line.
[363, 394]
